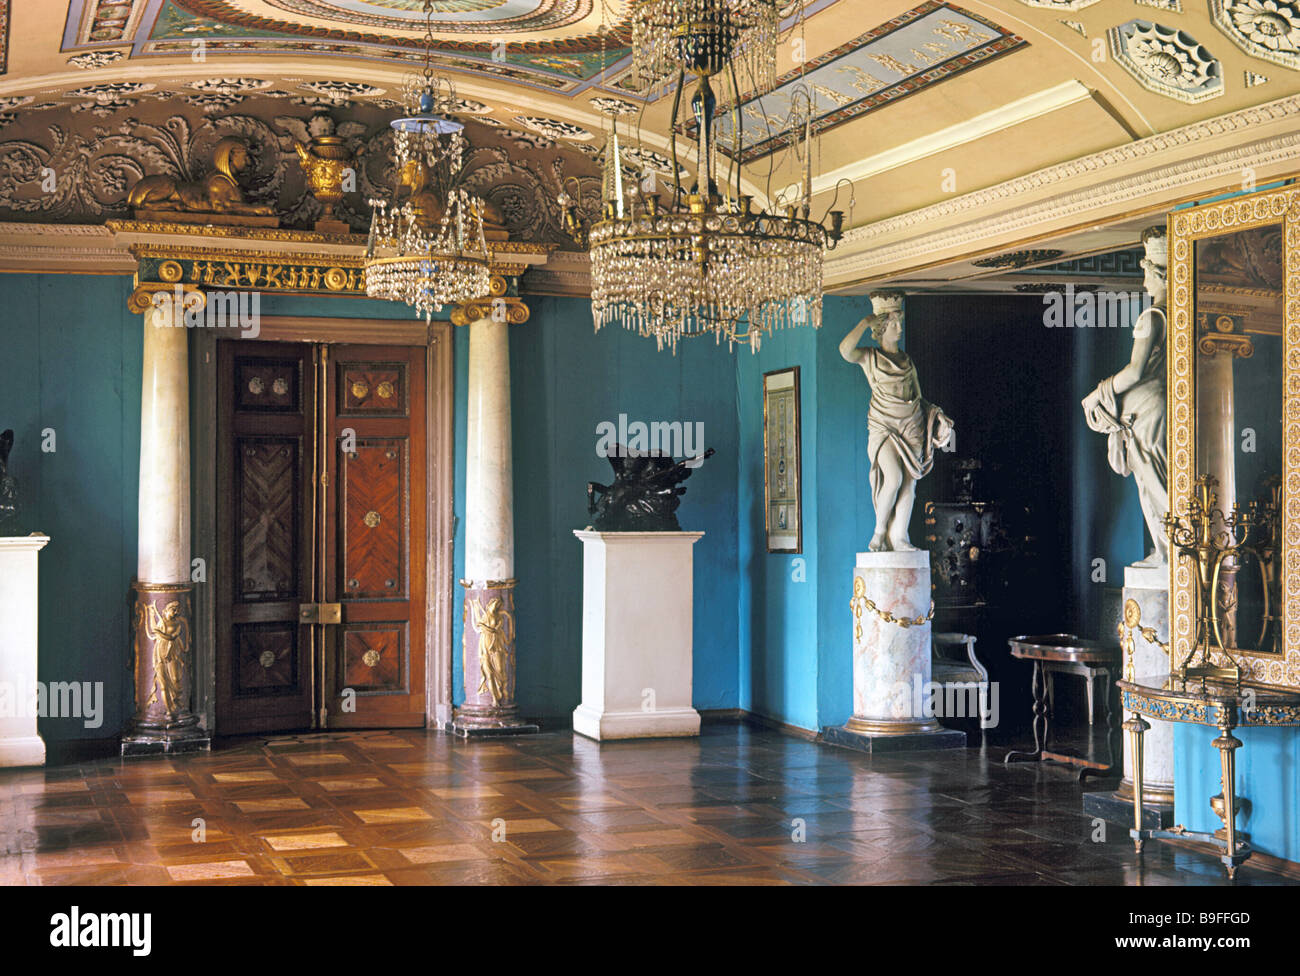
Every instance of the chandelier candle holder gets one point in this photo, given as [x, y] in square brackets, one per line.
[429, 251]
[707, 262]
[1212, 539]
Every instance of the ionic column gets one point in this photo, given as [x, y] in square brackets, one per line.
[488, 612]
[162, 618]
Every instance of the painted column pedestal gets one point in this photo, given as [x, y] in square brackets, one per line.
[488, 612]
[20, 743]
[1148, 587]
[637, 632]
[892, 658]
[162, 617]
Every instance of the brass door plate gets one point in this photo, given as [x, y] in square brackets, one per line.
[320, 613]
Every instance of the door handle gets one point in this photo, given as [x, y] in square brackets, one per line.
[320, 613]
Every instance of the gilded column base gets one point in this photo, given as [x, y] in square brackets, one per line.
[488, 660]
[1151, 795]
[162, 619]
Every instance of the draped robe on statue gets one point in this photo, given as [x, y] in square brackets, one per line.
[1135, 427]
[898, 416]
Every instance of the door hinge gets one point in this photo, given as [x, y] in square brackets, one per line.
[320, 613]
[324, 479]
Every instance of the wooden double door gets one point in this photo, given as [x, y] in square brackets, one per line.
[321, 565]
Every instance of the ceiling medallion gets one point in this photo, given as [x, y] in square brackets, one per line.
[341, 91]
[1167, 61]
[229, 86]
[212, 102]
[554, 128]
[95, 59]
[109, 91]
[704, 262]
[614, 106]
[429, 251]
[1265, 29]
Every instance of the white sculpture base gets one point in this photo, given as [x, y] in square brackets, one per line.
[637, 631]
[891, 663]
[20, 744]
[1149, 587]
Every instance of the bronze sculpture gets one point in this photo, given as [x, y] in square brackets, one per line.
[645, 493]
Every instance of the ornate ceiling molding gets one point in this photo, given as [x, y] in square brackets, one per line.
[1265, 29]
[1144, 175]
[1167, 61]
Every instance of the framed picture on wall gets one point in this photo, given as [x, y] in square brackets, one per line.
[781, 461]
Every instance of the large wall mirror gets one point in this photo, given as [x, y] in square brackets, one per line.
[1234, 414]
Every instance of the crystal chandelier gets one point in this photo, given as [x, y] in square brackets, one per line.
[429, 251]
[706, 262]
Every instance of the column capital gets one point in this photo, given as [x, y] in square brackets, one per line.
[499, 304]
[142, 299]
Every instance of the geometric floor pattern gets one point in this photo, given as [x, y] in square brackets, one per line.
[738, 805]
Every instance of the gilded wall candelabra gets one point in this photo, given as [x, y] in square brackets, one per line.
[1213, 539]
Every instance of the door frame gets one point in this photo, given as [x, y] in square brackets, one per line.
[440, 457]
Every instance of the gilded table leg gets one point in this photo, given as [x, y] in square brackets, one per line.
[1136, 726]
[1227, 744]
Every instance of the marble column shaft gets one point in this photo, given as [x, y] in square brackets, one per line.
[162, 615]
[488, 637]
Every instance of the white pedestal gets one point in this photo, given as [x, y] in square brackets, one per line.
[20, 745]
[1150, 589]
[637, 620]
[892, 663]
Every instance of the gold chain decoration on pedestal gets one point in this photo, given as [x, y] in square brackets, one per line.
[860, 602]
[1133, 621]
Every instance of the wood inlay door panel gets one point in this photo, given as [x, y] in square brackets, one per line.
[321, 501]
[263, 567]
[377, 535]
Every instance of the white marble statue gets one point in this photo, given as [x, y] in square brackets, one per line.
[903, 430]
[1129, 407]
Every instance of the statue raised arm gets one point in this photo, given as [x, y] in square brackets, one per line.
[903, 430]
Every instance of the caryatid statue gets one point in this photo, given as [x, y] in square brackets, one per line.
[1129, 407]
[903, 430]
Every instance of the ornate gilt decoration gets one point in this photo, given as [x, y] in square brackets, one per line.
[495, 627]
[498, 304]
[326, 162]
[1186, 227]
[216, 196]
[860, 602]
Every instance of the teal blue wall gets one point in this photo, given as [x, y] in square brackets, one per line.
[70, 360]
[1268, 776]
[764, 642]
[565, 380]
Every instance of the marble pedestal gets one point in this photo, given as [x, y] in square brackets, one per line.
[1149, 589]
[20, 744]
[637, 629]
[891, 662]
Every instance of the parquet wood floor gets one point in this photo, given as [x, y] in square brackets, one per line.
[737, 806]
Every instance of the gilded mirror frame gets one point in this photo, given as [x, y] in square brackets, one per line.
[1185, 228]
